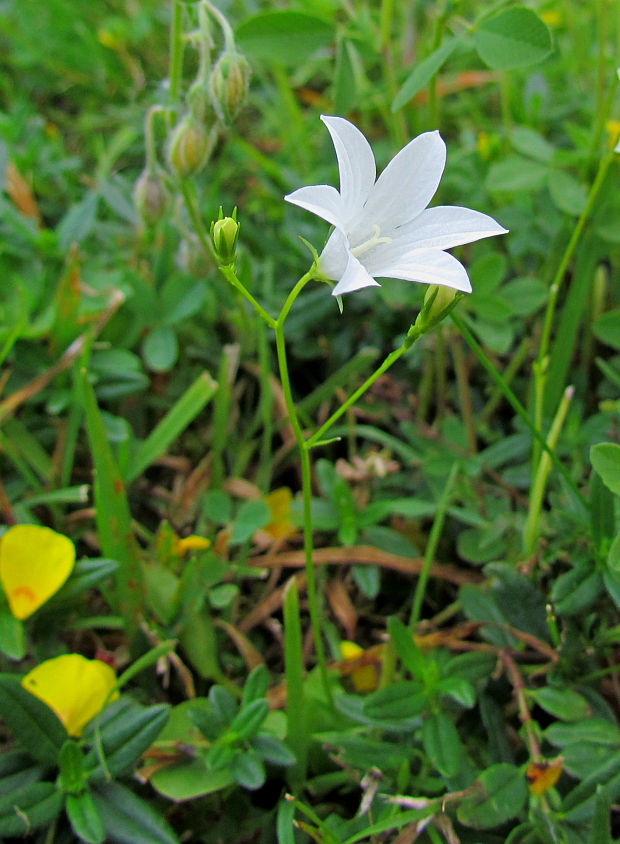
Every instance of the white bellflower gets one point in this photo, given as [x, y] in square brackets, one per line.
[383, 228]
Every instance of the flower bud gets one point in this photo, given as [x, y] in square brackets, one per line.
[191, 144]
[438, 302]
[224, 233]
[229, 83]
[150, 196]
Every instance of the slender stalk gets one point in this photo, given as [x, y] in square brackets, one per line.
[176, 50]
[431, 548]
[387, 363]
[516, 405]
[230, 275]
[530, 531]
[542, 360]
[306, 477]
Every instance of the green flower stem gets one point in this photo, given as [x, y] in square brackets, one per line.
[542, 358]
[306, 477]
[516, 405]
[188, 189]
[412, 335]
[530, 530]
[176, 50]
[231, 276]
[431, 548]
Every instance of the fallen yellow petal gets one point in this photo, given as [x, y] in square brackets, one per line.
[75, 687]
[34, 563]
[281, 525]
[190, 543]
[365, 678]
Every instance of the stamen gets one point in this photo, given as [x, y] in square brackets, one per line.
[370, 243]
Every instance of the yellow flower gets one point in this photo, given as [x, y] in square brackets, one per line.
[365, 678]
[613, 128]
[34, 563]
[76, 688]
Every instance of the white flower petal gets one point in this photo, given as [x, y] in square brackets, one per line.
[429, 266]
[356, 164]
[322, 200]
[335, 256]
[408, 183]
[441, 227]
[354, 277]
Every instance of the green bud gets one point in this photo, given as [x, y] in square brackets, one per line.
[229, 83]
[438, 302]
[190, 146]
[224, 233]
[150, 196]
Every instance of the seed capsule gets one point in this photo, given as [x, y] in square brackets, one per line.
[229, 83]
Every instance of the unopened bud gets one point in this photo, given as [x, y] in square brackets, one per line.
[224, 233]
[438, 302]
[191, 144]
[150, 195]
[229, 83]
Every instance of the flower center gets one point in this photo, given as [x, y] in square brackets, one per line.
[369, 244]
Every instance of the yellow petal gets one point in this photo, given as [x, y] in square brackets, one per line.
[365, 678]
[543, 775]
[76, 688]
[34, 563]
[191, 543]
[280, 502]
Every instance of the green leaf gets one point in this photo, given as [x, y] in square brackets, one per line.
[501, 795]
[515, 173]
[273, 750]
[85, 575]
[531, 144]
[602, 513]
[161, 349]
[400, 701]
[256, 685]
[129, 819]
[217, 506]
[402, 638]
[17, 770]
[251, 516]
[284, 823]
[12, 636]
[563, 703]
[567, 193]
[576, 589]
[348, 70]
[125, 730]
[113, 513]
[223, 595]
[248, 770]
[600, 833]
[513, 38]
[442, 743]
[247, 721]
[176, 420]
[31, 721]
[605, 458]
[79, 221]
[29, 808]
[606, 328]
[593, 731]
[423, 72]
[189, 780]
[85, 818]
[72, 777]
[284, 36]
